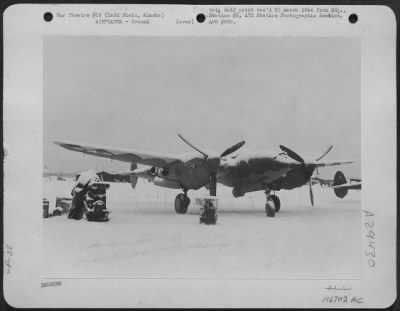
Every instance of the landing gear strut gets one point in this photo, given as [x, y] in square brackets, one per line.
[182, 202]
[273, 205]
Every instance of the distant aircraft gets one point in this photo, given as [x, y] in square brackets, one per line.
[341, 186]
[112, 177]
[322, 182]
[244, 172]
[59, 174]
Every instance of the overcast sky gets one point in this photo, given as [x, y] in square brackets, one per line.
[139, 92]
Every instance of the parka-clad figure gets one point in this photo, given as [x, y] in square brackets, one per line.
[78, 194]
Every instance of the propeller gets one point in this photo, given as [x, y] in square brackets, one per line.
[232, 149]
[187, 142]
[213, 173]
[325, 153]
[298, 158]
[223, 154]
[311, 193]
[292, 154]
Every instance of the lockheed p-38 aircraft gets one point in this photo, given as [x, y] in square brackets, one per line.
[244, 171]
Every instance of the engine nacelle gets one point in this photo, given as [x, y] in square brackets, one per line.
[242, 190]
[162, 182]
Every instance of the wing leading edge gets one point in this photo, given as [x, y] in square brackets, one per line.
[125, 155]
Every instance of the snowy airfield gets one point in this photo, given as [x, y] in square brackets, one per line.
[146, 239]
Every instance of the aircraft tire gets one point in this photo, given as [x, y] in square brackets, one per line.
[277, 202]
[270, 209]
[181, 203]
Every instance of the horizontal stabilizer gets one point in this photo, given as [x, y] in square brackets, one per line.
[355, 185]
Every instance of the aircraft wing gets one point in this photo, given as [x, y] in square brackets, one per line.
[348, 186]
[332, 163]
[125, 155]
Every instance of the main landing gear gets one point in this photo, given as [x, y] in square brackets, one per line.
[273, 205]
[182, 202]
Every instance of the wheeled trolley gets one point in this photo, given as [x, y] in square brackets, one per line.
[208, 210]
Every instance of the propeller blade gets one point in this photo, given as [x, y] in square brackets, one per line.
[213, 184]
[232, 149]
[187, 142]
[325, 153]
[311, 194]
[292, 154]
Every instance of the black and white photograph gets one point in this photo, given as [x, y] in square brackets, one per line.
[268, 126]
[202, 158]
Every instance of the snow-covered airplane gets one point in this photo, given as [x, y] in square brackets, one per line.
[243, 171]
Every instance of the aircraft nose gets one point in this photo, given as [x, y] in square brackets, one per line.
[214, 163]
[226, 162]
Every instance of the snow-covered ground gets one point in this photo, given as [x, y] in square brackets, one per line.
[146, 239]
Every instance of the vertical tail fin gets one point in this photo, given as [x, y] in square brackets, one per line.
[340, 179]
